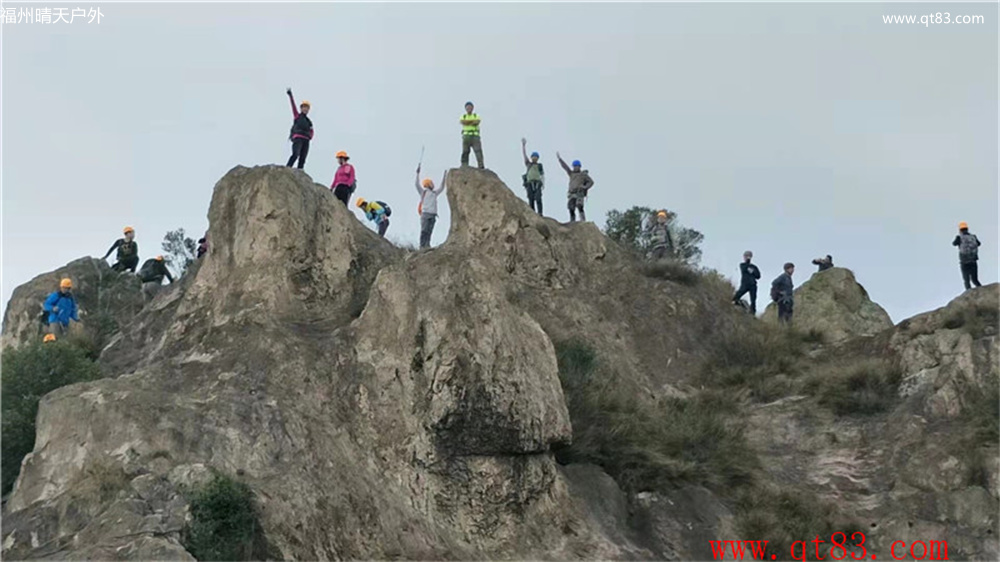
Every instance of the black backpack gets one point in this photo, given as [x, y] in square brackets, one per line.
[388, 211]
[775, 293]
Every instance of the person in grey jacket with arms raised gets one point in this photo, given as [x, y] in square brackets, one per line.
[428, 205]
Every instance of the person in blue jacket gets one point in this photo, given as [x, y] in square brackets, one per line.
[377, 212]
[61, 308]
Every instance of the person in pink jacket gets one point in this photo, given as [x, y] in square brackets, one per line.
[344, 182]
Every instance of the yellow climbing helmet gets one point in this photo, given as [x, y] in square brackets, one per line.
[66, 283]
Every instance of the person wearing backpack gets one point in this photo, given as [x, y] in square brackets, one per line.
[428, 206]
[749, 274]
[377, 212]
[579, 185]
[302, 131]
[782, 292]
[61, 307]
[128, 252]
[968, 255]
[659, 233]
[151, 274]
[344, 181]
[534, 179]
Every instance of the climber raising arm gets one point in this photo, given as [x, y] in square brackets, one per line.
[291, 99]
[524, 151]
[563, 164]
[440, 188]
[416, 183]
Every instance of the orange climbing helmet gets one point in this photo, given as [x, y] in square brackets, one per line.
[343, 155]
[963, 225]
[49, 338]
[128, 229]
[66, 283]
[428, 182]
[360, 202]
[305, 103]
[159, 258]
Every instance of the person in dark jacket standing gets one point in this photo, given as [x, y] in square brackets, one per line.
[824, 263]
[659, 235]
[151, 274]
[782, 292]
[749, 274]
[302, 131]
[128, 252]
[968, 255]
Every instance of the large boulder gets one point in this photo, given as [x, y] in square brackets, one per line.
[379, 407]
[835, 304]
[107, 300]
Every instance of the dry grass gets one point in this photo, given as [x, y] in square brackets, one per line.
[866, 386]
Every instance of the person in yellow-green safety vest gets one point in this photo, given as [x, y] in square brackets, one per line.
[470, 135]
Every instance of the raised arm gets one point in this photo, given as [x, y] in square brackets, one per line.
[563, 164]
[416, 183]
[291, 99]
[524, 152]
[444, 178]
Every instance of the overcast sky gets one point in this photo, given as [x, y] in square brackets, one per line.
[794, 130]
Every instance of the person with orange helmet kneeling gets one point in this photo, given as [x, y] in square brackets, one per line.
[968, 255]
[151, 274]
[344, 181]
[128, 252]
[61, 308]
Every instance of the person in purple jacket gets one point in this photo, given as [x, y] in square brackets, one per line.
[301, 133]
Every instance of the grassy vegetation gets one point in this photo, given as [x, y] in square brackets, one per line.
[643, 444]
[224, 522]
[100, 481]
[868, 386]
[980, 321]
[671, 270]
[759, 360]
[29, 373]
[652, 445]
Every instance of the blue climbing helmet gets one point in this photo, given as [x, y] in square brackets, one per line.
[576, 164]
[534, 155]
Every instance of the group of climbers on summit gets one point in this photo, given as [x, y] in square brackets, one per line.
[345, 181]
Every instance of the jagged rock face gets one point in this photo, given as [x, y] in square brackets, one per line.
[420, 429]
[106, 300]
[910, 474]
[834, 303]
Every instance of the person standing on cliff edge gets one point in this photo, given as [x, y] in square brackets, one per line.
[302, 131]
[470, 135]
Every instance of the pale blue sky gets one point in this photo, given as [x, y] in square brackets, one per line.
[794, 130]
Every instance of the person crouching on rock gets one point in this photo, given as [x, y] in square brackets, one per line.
[61, 308]
[824, 263]
[782, 292]
[579, 184]
[428, 206]
[377, 212]
[749, 274]
[344, 181]
[128, 252]
[151, 274]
